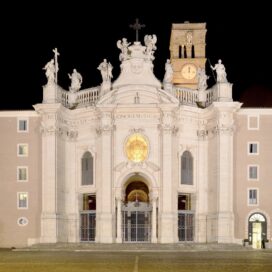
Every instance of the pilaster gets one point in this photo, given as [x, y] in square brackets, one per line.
[48, 114]
[167, 212]
[225, 130]
[105, 201]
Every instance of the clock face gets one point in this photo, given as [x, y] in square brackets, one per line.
[188, 71]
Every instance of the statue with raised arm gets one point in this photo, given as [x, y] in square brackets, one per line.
[106, 70]
[150, 41]
[202, 79]
[168, 76]
[123, 46]
[76, 81]
[50, 71]
[221, 75]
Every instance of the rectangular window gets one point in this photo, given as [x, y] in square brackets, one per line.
[253, 148]
[252, 197]
[22, 200]
[22, 173]
[22, 150]
[253, 172]
[253, 122]
[89, 202]
[22, 125]
[184, 202]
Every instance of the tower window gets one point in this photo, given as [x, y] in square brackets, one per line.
[185, 52]
[180, 51]
[193, 51]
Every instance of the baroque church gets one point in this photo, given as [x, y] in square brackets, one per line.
[138, 159]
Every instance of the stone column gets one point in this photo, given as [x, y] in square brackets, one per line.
[71, 207]
[48, 113]
[202, 180]
[225, 216]
[119, 220]
[105, 201]
[167, 211]
[154, 198]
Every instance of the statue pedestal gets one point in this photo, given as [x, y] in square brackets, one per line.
[105, 87]
[168, 87]
[72, 98]
[50, 93]
[202, 96]
[224, 91]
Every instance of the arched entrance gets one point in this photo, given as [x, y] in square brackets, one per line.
[257, 229]
[136, 212]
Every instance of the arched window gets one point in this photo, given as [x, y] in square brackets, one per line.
[87, 169]
[185, 52]
[193, 52]
[180, 51]
[187, 168]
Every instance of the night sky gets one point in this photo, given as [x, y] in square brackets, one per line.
[85, 35]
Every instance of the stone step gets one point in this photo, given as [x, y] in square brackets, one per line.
[136, 247]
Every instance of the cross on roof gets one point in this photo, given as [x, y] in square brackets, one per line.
[137, 26]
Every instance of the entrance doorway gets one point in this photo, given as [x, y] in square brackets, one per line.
[257, 227]
[88, 218]
[185, 218]
[136, 213]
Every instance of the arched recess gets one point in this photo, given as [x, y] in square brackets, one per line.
[186, 168]
[87, 169]
[143, 175]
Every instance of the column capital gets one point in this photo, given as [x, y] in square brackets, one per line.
[153, 195]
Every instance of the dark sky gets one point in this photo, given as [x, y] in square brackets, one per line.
[85, 34]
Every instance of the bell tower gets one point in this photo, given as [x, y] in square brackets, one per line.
[187, 52]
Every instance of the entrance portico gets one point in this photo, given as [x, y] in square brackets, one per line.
[136, 206]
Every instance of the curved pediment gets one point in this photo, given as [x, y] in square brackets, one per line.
[137, 94]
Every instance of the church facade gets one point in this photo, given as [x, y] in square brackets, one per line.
[138, 159]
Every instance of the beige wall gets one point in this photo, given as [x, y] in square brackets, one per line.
[241, 161]
[11, 234]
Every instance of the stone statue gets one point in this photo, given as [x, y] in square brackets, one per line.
[123, 46]
[150, 41]
[202, 79]
[168, 76]
[221, 75]
[189, 38]
[76, 81]
[50, 71]
[106, 70]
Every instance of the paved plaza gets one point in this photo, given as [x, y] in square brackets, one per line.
[83, 260]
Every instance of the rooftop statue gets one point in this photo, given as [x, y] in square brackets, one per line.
[221, 75]
[150, 41]
[50, 71]
[76, 81]
[106, 70]
[123, 46]
[202, 79]
[168, 76]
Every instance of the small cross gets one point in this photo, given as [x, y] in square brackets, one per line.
[55, 50]
[137, 26]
